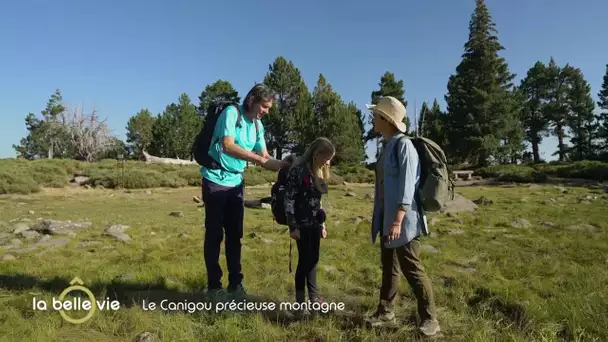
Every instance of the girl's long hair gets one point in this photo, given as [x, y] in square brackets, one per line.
[320, 145]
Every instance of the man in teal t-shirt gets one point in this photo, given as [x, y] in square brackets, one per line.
[244, 136]
[233, 146]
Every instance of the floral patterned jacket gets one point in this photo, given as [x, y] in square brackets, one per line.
[302, 199]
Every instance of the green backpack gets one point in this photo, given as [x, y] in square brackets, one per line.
[436, 187]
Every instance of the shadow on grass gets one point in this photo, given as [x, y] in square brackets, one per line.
[131, 294]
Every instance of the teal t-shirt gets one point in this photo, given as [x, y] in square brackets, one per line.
[244, 136]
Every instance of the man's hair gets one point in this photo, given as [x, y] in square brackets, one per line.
[260, 92]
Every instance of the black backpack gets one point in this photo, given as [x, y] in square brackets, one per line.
[277, 194]
[202, 142]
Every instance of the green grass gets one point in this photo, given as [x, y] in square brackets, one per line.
[492, 283]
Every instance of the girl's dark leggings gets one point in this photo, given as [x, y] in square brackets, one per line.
[308, 258]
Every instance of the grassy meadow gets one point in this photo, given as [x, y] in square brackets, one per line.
[531, 264]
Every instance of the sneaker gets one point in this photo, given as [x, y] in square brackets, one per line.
[238, 293]
[379, 319]
[429, 327]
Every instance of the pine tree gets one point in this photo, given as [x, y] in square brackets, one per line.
[556, 109]
[423, 118]
[533, 88]
[581, 119]
[285, 79]
[603, 117]
[339, 122]
[219, 92]
[48, 137]
[139, 132]
[389, 86]
[481, 104]
[175, 129]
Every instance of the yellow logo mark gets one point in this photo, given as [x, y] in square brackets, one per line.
[77, 285]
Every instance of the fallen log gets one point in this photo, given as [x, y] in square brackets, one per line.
[150, 159]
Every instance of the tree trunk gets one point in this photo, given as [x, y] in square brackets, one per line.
[535, 150]
[560, 142]
[279, 152]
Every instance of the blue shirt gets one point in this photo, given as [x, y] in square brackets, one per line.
[401, 176]
[244, 136]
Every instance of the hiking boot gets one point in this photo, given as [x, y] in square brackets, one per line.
[429, 327]
[238, 293]
[216, 295]
[301, 314]
[318, 308]
[379, 319]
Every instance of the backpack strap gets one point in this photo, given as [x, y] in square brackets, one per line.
[395, 154]
[396, 148]
[238, 121]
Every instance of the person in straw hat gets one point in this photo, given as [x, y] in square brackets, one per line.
[399, 219]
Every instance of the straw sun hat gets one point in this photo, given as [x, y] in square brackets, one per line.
[392, 110]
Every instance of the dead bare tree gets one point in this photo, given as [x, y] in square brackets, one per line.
[90, 137]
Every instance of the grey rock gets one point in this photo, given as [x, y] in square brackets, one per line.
[176, 214]
[455, 231]
[256, 204]
[184, 236]
[20, 227]
[520, 223]
[55, 227]
[8, 257]
[123, 237]
[116, 229]
[85, 244]
[62, 241]
[144, 337]
[547, 224]
[14, 243]
[483, 200]
[466, 269]
[430, 249]
[44, 237]
[329, 268]
[350, 194]
[459, 204]
[4, 237]
[30, 234]
[582, 228]
[125, 276]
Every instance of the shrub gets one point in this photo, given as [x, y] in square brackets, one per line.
[593, 170]
[513, 173]
[12, 183]
[354, 173]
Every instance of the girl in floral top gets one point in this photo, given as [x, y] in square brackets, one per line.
[306, 183]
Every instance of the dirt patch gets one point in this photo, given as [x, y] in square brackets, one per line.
[515, 313]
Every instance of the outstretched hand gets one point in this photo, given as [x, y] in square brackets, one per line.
[289, 160]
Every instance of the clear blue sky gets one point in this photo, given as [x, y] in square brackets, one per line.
[122, 56]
